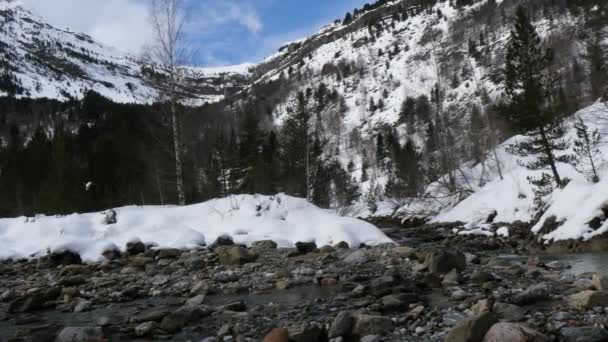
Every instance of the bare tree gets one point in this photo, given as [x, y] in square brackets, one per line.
[168, 20]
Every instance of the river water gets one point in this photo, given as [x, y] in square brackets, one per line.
[580, 263]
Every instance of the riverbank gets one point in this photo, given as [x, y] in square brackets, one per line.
[434, 285]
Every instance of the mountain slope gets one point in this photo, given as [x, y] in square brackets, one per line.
[38, 60]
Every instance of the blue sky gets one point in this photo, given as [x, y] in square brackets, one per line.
[267, 25]
[222, 31]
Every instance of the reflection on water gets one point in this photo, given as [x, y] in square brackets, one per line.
[581, 263]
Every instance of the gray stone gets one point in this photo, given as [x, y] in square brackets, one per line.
[398, 302]
[513, 332]
[342, 325]
[176, 320]
[371, 325]
[451, 279]
[135, 248]
[235, 255]
[306, 247]
[531, 295]
[583, 334]
[588, 299]
[370, 338]
[83, 305]
[201, 287]
[472, 329]
[145, 328]
[600, 282]
[509, 312]
[196, 300]
[306, 332]
[481, 277]
[443, 262]
[80, 334]
[357, 257]
[265, 244]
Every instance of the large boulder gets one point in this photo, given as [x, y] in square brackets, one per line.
[513, 332]
[277, 335]
[34, 300]
[443, 262]
[472, 329]
[371, 325]
[64, 257]
[178, 319]
[509, 312]
[306, 247]
[600, 282]
[588, 299]
[235, 255]
[342, 325]
[80, 334]
[531, 295]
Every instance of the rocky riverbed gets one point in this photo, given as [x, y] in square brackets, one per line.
[431, 286]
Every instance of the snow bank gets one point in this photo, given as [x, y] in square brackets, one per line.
[512, 197]
[246, 218]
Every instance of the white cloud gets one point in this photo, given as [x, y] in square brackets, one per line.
[121, 23]
[125, 24]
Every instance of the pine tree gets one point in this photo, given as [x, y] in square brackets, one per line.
[586, 152]
[529, 87]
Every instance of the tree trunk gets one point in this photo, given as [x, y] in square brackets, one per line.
[550, 158]
[179, 166]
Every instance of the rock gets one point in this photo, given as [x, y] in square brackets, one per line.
[404, 252]
[225, 330]
[342, 245]
[201, 287]
[600, 282]
[145, 329]
[224, 240]
[178, 319]
[72, 281]
[277, 335]
[557, 265]
[235, 255]
[482, 305]
[327, 249]
[282, 284]
[382, 285]
[481, 277]
[306, 247]
[7, 295]
[239, 306]
[370, 338]
[342, 325]
[135, 248]
[109, 217]
[583, 284]
[532, 295]
[357, 257]
[513, 332]
[398, 302]
[328, 282]
[583, 334]
[415, 313]
[472, 258]
[80, 334]
[509, 312]
[450, 318]
[307, 333]
[443, 262]
[169, 253]
[451, 279]
[83, 305]
[33, 300]
[196, 300]
[472, 329]
[459, 294]
[371, 325]
[588, 299]
[64, 258]
[155, 315]
[265, 244]
[111, 253]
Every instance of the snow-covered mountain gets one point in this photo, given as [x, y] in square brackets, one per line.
[39, 60]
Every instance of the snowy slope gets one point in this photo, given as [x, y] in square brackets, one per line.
[512, 198]
[54, 63]
[281, 218]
